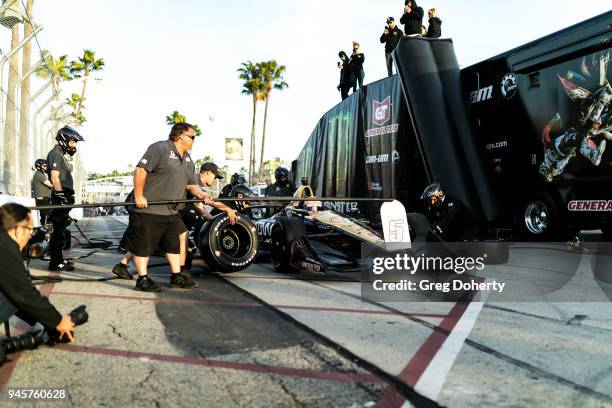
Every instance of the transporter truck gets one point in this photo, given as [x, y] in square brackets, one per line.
[542, 113]
[521, 138]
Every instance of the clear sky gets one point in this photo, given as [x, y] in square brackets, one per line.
[182, 55]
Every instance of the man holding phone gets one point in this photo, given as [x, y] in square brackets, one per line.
[356, 64]
[390, 38]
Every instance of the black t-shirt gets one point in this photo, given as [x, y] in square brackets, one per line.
[56, 161]
[169, 174]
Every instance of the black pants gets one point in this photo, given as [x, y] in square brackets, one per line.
[389, 59]
[43, 213]
[344, 91]
[59, 220]
[358, 80]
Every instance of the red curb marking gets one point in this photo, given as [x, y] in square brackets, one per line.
[423, 357]
[248, 304]
[266, 369]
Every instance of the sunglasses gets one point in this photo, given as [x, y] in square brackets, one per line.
[192, 137]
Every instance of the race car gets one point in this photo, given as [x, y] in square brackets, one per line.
[303, 236]
[306, 236]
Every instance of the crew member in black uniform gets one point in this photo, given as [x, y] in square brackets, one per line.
[18, 297]
[41, 187]
[450, 219]
[236, 179]
[59, 161]
[282, 187]
[194, 215]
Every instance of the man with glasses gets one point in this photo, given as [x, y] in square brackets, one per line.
[17, 294]
[356, 64]
[163, 174]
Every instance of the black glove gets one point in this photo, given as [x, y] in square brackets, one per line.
[59, 198]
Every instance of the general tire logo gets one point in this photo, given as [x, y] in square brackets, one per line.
[508, 86]
[382, 111]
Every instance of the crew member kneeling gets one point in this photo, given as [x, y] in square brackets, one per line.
[17, 294]
[450, 219]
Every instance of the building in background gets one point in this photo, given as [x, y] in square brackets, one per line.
[107, 190]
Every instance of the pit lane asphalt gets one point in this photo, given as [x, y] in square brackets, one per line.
[258, 338]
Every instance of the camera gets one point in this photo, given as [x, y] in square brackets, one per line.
[29, 341]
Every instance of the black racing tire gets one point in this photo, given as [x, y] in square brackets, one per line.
[540, 218]
[285, 234]
[67, 239]
[226, 247]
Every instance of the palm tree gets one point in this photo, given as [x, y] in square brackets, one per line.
[272, 78]
[176, 117]
[57, 69]
[253, 86]
[83, 67]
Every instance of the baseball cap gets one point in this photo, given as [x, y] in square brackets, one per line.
[390, 19]
[209, 166]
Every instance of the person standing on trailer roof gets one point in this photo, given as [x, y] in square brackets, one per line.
[390, 37]
[412, 19]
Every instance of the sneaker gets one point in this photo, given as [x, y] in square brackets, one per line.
[62, 266]
[181, 280]
[121, 271]
[146, 284]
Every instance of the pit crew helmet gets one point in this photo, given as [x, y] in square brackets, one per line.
[281, 172]
[40, 165]
[241, 191]
[64, 136]
[237, 179]
[434, 194]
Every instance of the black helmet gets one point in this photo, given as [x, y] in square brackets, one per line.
[237, 179]
[39, 163]
[64, 136]
[241, 191]
[433, 190]
[280, 172]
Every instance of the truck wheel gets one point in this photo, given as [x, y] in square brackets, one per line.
[227, 247]
[539, 219]
[285, 234]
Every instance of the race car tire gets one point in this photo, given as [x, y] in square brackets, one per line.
[67, 239]
[285, 234]
[226, 247]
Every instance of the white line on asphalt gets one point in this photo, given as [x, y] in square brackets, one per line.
[431, 382]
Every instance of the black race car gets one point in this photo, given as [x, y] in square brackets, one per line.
[307, 236]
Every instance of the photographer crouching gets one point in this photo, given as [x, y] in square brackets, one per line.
[18, 296]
